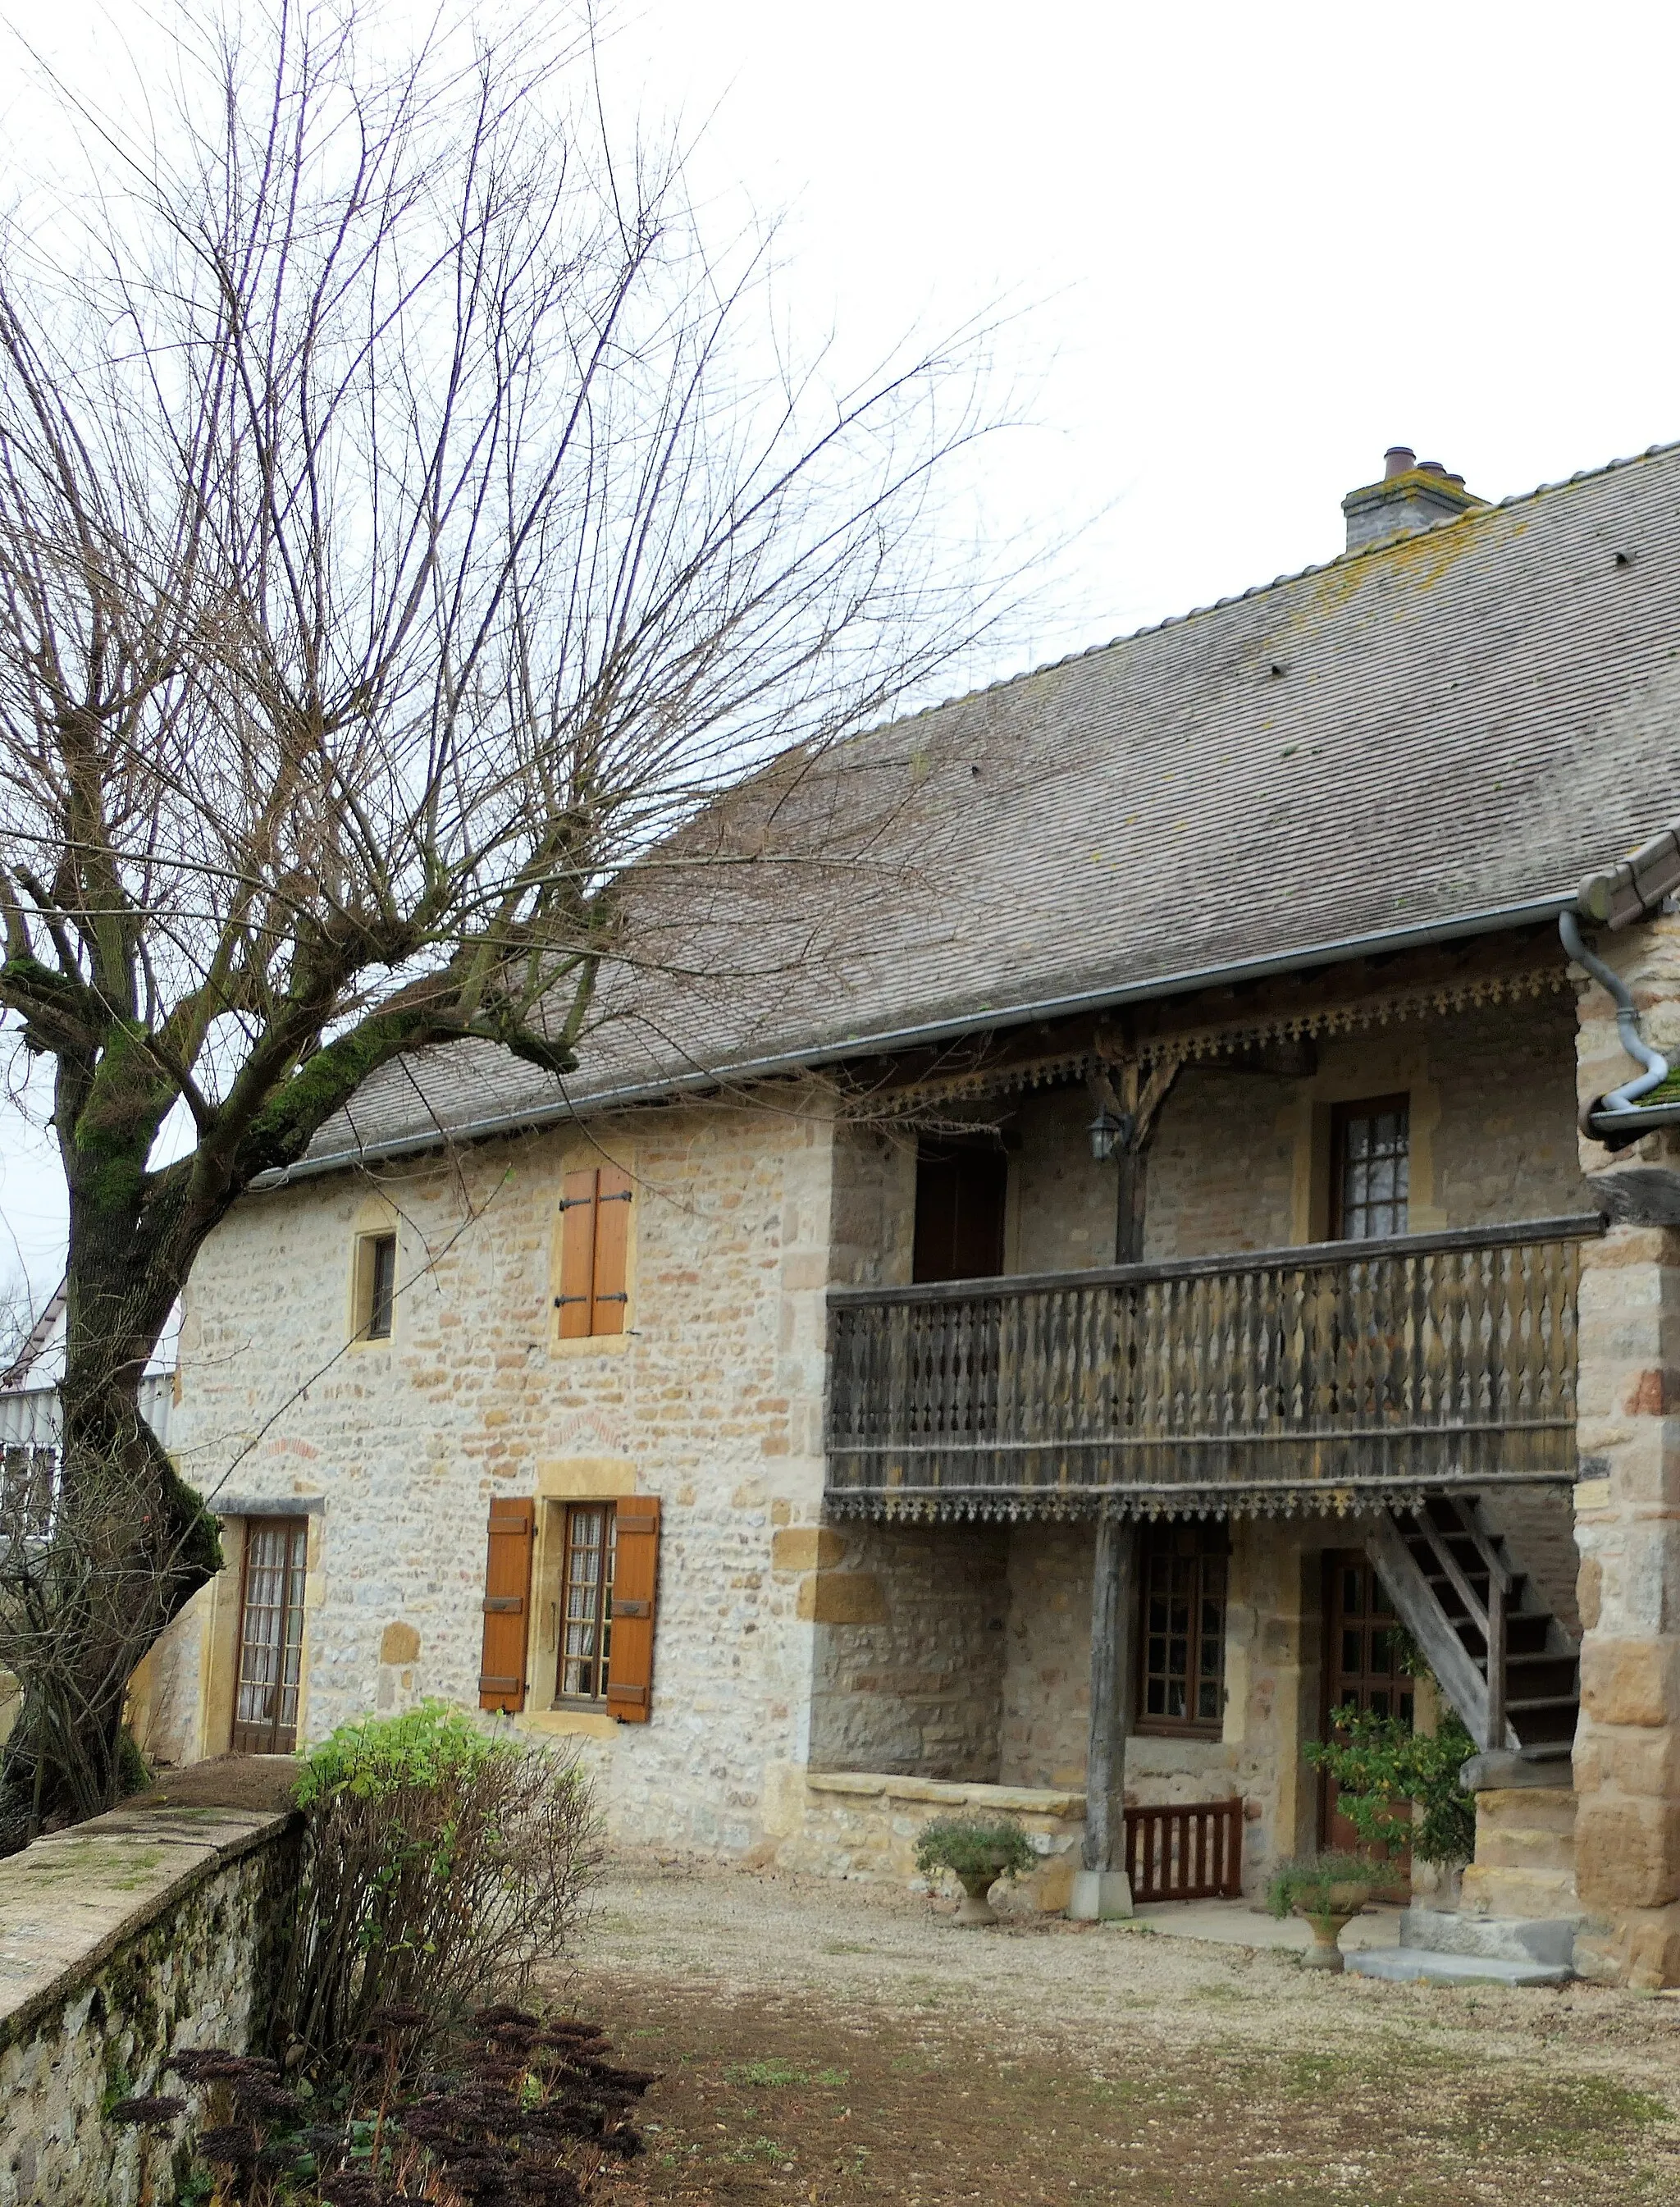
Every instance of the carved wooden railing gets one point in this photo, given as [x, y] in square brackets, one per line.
[1395, 1364]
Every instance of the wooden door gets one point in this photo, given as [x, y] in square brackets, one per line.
[962, 1187]
[270, 1636]
[1361, 1670]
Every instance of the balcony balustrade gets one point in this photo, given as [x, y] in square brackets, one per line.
[1377, 1368]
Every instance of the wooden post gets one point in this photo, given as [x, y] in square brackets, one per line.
[1113, 1600]
[1141, 1101]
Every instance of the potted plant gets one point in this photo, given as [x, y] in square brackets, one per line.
[977, 1851]
[1400, 1788]
[1329, 1890]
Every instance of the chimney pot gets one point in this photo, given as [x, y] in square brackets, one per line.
[1413, 495]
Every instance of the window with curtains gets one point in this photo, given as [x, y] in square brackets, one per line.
[1181, 1669]
[586, 1601]
[1371, 1168]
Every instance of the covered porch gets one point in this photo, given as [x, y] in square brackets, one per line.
[1132, 1531]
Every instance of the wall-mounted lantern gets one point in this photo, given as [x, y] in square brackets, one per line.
[1109, 1132]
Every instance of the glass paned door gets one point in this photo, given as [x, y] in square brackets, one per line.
[1362, 1671]
[270, 1636]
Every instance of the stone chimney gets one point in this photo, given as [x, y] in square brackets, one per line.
[1413, 495]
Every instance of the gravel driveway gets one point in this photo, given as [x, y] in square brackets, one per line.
[832, 2042]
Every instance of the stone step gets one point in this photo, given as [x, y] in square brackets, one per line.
[1548, 1938]
[1411, 1965]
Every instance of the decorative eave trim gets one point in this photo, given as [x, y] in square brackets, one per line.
[1220, 1037]
[1302, 1498]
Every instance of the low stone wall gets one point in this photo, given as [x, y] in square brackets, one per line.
[154, 1927]
[864, 1824]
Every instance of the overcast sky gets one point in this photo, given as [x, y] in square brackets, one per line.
[1254, 247]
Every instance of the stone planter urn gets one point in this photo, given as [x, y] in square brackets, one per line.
[1328, 1911]
[974, 1907]
[976, 1850]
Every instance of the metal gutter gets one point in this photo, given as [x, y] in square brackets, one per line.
[1494, 920]
[1618, 1128]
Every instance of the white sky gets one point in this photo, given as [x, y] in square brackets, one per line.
[1258, 245]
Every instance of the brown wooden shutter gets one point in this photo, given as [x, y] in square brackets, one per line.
[577, 1253]
[608, 1295]
[507, 1604]
[629, 1674]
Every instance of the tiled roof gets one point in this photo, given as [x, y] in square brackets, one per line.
[1411, 737]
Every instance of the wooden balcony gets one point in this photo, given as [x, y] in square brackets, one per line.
[1283, 1379]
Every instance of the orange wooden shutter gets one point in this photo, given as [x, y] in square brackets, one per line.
[629, 1672]
[577, 1253]
[608, 1295]
[507, 1603]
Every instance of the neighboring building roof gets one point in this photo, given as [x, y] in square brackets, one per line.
[1422, 740]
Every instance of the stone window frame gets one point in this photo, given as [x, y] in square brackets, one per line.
[370, 1286]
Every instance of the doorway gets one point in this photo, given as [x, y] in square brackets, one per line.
[270, 1636]
[1362, 1671]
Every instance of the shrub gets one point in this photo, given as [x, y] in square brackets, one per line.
[1308, 1881]
[1382, 1768]
[439, 1861]
[968, 1846]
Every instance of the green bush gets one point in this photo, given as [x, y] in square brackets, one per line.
[1382, 1769]
[968, 1846]
[439, 1863]
[1306, 1882]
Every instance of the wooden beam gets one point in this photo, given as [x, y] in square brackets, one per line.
[1113, 1620]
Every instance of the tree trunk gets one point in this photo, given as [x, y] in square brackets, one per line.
[83, 1594]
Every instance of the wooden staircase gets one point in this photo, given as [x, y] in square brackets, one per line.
[1502, 1660]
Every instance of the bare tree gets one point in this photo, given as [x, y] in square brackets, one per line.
[407, 524]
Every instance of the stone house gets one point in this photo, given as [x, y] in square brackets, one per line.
[1031, 1343]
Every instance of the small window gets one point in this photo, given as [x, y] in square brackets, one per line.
[1183, 1619]
[961, 1184]
[586, 1600]
[375, 1286]
[1370, 1166]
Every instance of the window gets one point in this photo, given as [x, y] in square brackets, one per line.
[961, 1186]
[375, 1286]
[29, 1474]
[1183, 1616]
[1370, 1174]
[595, 1252]
[270, 1636]
[586, 1601]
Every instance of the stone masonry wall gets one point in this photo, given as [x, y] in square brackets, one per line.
[1047, 1673]
[1627, 1758]
[141, 1932]
[910, 1653]
[712, 1400]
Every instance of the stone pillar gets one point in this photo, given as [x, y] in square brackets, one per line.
[1627, 1756]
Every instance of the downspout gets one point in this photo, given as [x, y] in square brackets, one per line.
[1623, 1100]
